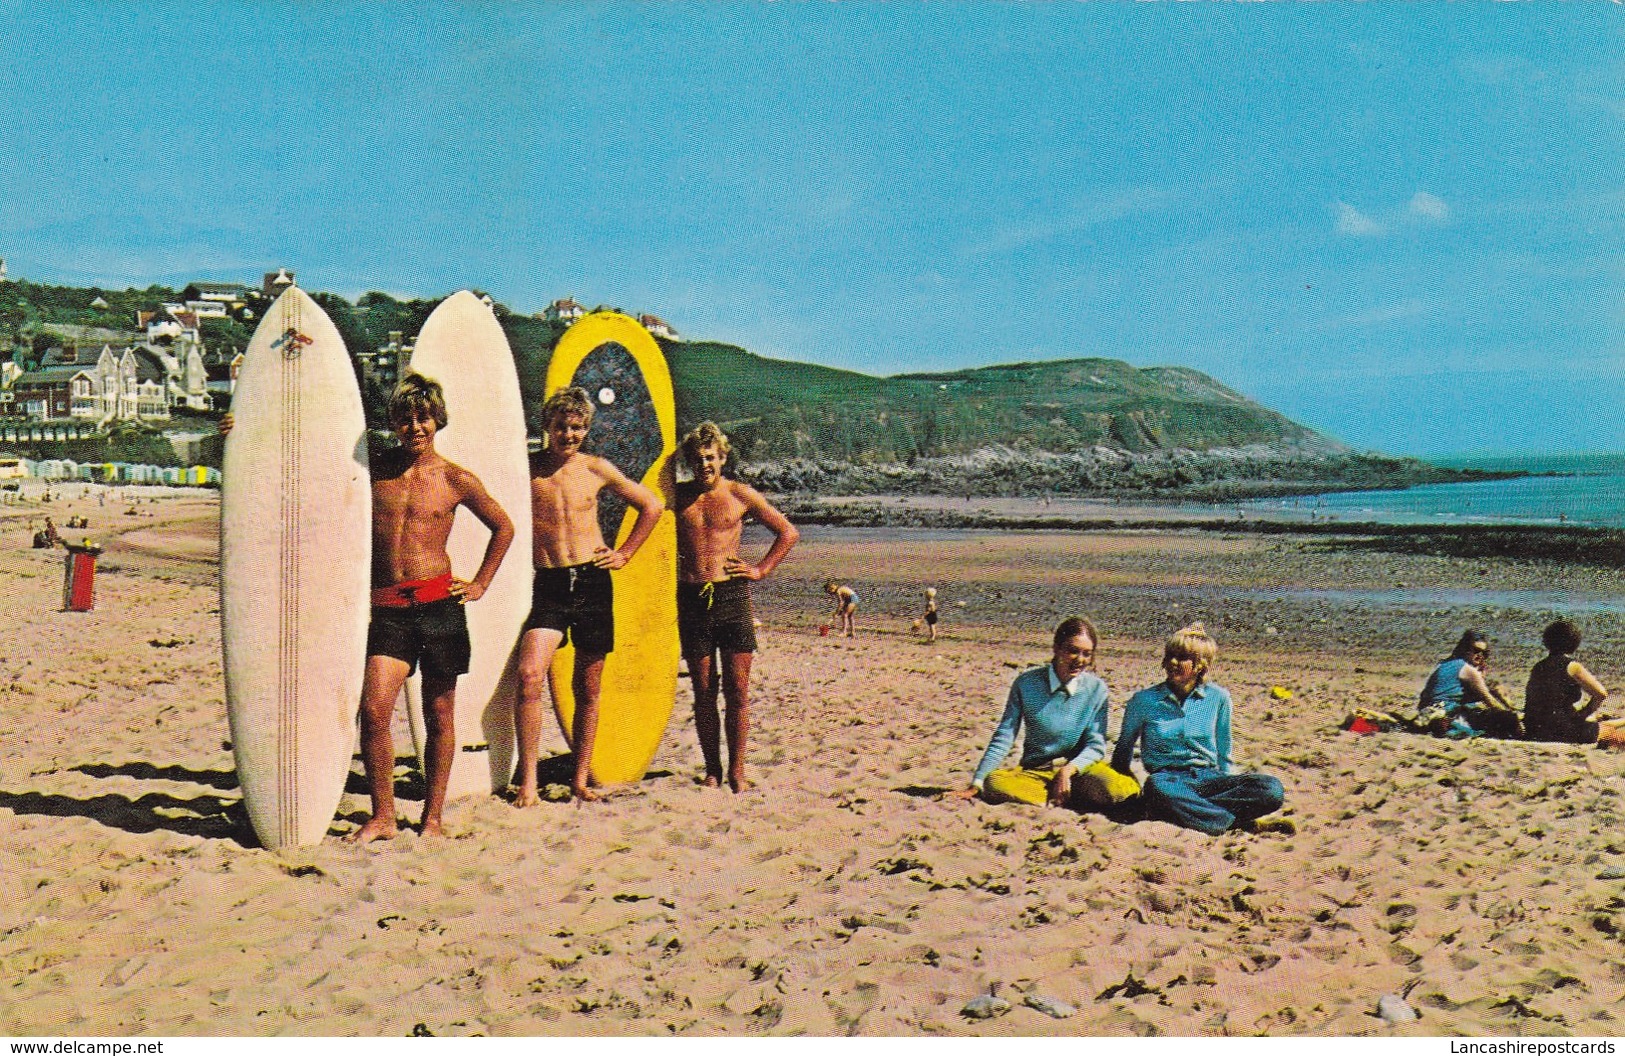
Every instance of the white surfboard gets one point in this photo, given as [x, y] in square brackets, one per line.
[295, 567]
[462, 346]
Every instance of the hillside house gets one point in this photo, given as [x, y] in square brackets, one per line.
[228, 294]
[383, 367]
[221, 371]
[276, 283]
[658, 327]
[563, 311]
[139, 382]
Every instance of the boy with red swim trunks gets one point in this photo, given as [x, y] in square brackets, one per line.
[417, 613]
[417, 605]
[713, 594]
[572, 593]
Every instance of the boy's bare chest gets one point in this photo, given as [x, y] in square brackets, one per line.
[713, 512]
[414, 495]
[567, 488]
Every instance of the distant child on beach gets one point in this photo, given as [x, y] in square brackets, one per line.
[846, 605]
[1551, 703]
[1458, 700]
[930, 616]
[417, 605]
[714, 594]
[572, 593]
[1062, 705]
[1183, 729]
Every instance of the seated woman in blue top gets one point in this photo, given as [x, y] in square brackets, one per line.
[1063, 761]
[1183, 726]
[1458, 700]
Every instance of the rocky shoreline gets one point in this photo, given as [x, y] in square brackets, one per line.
[1220, 474]
[1565, 544]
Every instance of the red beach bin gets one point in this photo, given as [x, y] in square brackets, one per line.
[79, 578]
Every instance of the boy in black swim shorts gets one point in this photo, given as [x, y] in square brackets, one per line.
[572, 594]
[579, 603]
[420, 620]
[713, 594]
[417, 605]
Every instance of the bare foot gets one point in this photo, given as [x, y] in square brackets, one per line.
[713, 781]
[526, 797]
[432, 828]
[376, 828]
[586, 795]
[739, 784]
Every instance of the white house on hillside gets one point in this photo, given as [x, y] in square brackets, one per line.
[563, 311]
[658, 327]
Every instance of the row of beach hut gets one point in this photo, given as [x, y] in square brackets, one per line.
[60, 469]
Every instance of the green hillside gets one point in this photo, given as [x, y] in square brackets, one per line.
[777, 409]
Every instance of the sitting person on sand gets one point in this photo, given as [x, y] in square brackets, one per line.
[1458, 699]
[1063, 706]
[1183, 726]
[714, 616]
[846, 605]
[1551, 702]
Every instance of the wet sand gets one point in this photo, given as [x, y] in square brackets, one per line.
[1484, 881]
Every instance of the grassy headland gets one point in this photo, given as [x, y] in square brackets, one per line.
[1090, 426]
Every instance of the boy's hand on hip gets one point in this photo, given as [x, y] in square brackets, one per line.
[610, 559]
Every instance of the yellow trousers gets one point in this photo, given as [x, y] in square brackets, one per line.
[1095, 785]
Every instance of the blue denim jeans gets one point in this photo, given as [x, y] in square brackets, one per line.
[1210, 801]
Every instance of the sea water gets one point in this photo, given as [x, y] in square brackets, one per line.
[1574, 489]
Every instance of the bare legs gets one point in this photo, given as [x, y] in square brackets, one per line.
[440, 723]
[735, 686]
[379, 687]
[536, 651]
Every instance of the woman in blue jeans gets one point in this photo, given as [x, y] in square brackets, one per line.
[1183, 729]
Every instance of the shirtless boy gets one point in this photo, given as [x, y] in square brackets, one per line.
[713, 594]
[572, 593]
[846, 607]
[417, 605]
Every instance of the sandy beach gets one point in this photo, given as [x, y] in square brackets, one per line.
[1483, 881]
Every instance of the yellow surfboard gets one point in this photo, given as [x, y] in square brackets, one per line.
[635, 428]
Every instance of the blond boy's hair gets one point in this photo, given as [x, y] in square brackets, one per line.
[704, 435]
[1192, 643]
[572, 400]
[416, 394]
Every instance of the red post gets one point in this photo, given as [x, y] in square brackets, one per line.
[79, 579]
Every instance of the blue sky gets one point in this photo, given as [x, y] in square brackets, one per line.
[1400, 224]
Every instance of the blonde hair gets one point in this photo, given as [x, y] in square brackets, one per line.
[415, 394]
[571, 400]
[1192, 643]
[706, 434]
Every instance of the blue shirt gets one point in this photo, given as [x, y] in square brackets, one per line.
[1174, 736]
[1444, 691]
[1063, 719]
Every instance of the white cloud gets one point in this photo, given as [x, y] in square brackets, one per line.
[1429, 207]
[1378, 316]
[1010, 237]
[1350, 221]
